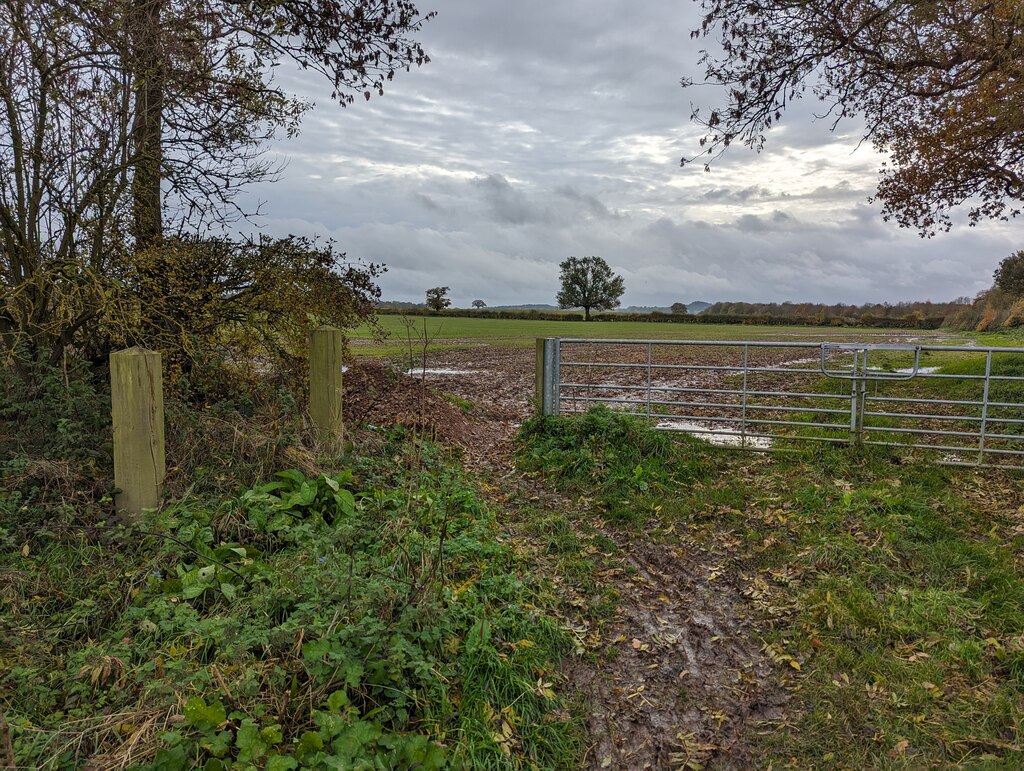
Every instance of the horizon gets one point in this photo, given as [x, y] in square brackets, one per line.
[624, 306]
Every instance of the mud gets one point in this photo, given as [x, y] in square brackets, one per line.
[681, 677]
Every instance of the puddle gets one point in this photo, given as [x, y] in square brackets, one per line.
[808, 360]
[440, 371]
[906, 370]
[722, 437]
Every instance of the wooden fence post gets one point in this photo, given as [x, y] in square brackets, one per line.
[137, 410]
[325, 384]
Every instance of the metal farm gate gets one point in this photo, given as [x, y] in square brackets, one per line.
[962, 404]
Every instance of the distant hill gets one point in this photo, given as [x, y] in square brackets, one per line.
[692, 308]
[641, 309]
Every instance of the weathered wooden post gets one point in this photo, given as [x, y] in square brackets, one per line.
[325, 386]
[137, 410]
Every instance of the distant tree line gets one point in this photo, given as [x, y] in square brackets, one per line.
[907, 322]
[869, 314]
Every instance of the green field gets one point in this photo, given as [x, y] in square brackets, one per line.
[460, 332]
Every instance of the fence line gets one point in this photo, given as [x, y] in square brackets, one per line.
[748, 394]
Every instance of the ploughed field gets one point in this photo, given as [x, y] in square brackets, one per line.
[780, 387]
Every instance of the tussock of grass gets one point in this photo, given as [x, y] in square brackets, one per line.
[902, 596]
[608, 456]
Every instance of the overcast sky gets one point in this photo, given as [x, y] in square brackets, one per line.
[546, 129]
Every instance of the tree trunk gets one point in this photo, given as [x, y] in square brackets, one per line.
[146, 56]
[586, 313]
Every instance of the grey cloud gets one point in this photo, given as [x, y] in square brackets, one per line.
[777, 220]
[541, 130]
[507, 204]
[752, 192]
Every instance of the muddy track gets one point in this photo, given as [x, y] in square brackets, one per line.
[682, 678]
[677, 675]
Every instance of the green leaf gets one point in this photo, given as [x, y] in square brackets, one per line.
[316, 649]
[272, 734]
[337, 700]
[230, 591]
[345, 501]
[292, 475]
[310, 742]
[249, 742]
[356, 737]
[479, 634]
[281, 763]
[229, 553]
[353, 673]
[170, 759]
[307, 493]
[202, 716]
[219, 745]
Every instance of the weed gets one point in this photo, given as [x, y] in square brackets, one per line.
[368, 618]
[609, 456]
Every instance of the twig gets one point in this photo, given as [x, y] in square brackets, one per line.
[191, 549]
[5, 742]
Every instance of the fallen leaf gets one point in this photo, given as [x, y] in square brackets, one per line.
[899, 749]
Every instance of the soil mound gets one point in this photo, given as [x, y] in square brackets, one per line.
[380, 396]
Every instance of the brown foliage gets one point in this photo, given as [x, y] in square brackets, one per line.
[247, 306]
[940, 87]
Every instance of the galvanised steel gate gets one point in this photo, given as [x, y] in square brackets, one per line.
[962, 404]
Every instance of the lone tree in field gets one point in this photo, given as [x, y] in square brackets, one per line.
[478, 304]
[679, 309]
[939, 86]
[437, 298]
[588, 282]
[1009, 276]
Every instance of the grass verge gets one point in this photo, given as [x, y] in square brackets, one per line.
[890, 594]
